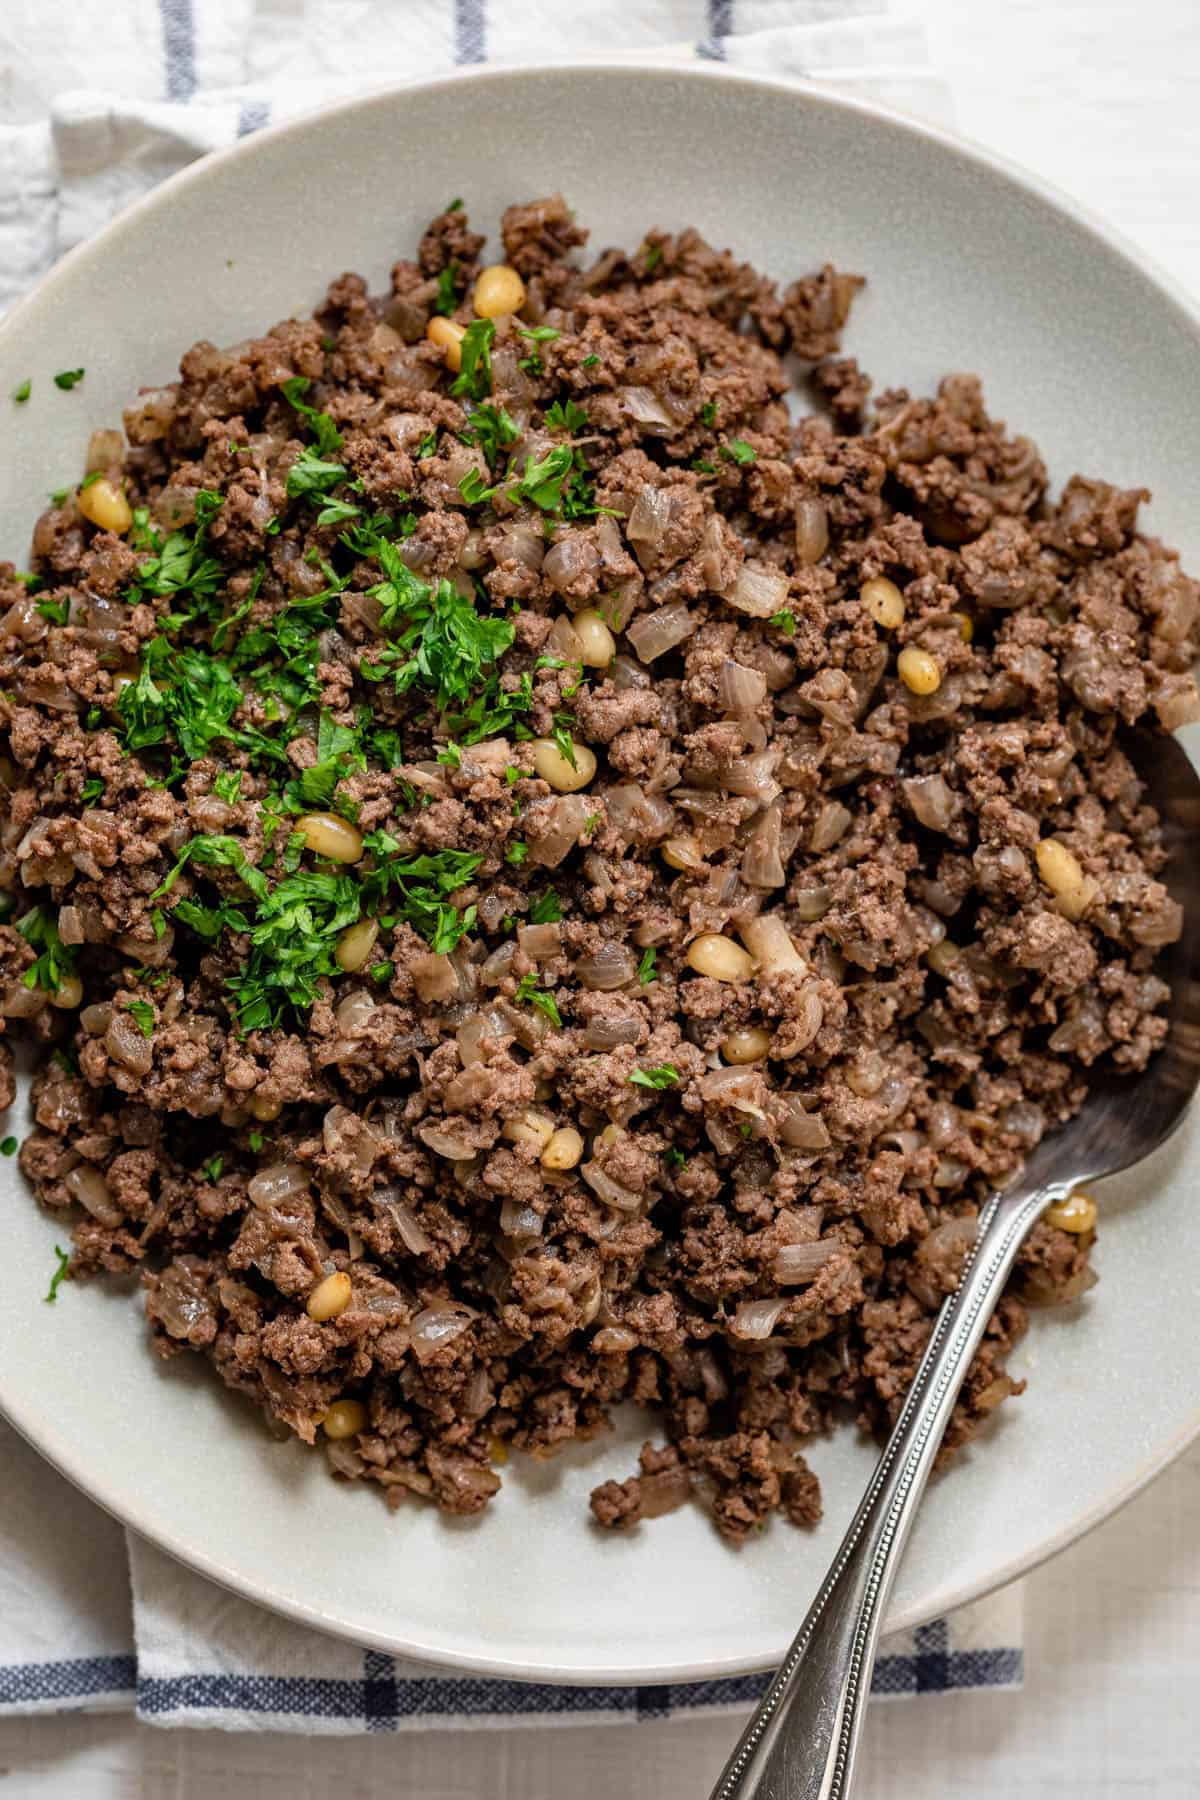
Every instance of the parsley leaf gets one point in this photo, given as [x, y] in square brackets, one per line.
[493, 428]
[228, 786]
[142, 1014]
[532, 995]
[328, 437]
[589, 362]
[708, 413]
[566, 416]
[674, 1158]
[56, 963]
[211, 1170]
[783, 621]
[313, 474]
[21, 394]
[737, 450]
[546, 910]
[475, 379]
[664, 1075]
[646, 969]
[64, 1263]
[542, 482]
[68, 378]
[447, 298]
[91, 791]
[8, 1147]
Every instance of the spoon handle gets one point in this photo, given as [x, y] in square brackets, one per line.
[803, 1739]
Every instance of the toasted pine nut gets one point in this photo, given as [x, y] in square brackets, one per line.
[966, 626]
[747, 1046]
[448, 337]
[1076, 1213]
[598, 645]
[259, 1107]
[529, 1127]
[884, 601]
[327, 835]
[555, 768]
[68, 994]
[498, 290]
[105, 505]
[330, 1297]
[918, 670]
[718, 957]
[355, 944]
[683, 853]
[345, 1418]
[1063, 874]
[563, 1150]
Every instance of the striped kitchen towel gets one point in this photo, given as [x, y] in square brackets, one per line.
[97, 103]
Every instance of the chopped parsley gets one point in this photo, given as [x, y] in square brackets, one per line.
[737, 450]
[783, 621]
[64, 1263]
[653, 257]
[546, 909]
[447, 298]
[68, 378]
[564, 743]
[56, 963]
[537, 335]
[516, 853]
[456, 204]
[663, 1075]
[566, 416]
[646, 969]
[325, 433]
[211, 1170]
[142, 1014]
[708, 413]
[475, 377]
[91, 791]
[312, 474]
[21, 394]
[530, 994]
[589, 362]
[8, 1147]
[56, 611]
[493, 428]
[228, 786]
[674, 1158]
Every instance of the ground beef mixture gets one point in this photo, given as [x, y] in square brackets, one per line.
[546, 873]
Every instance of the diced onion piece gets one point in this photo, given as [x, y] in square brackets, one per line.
[770, 944]
[759, 590]
[437, 1326]
[611, 1192]
[278, 1182]
[653, 634]
[741, 690]
[796, 1263]
[756, 1319]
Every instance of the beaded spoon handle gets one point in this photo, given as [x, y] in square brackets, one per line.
[802, 1741]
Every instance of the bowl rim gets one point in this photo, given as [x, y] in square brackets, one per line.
[34, 1428]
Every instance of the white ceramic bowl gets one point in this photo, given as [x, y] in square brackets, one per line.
[971, 265]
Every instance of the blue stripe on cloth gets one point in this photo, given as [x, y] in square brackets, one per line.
[384, 1702]
[74, 1678]
[252, 116]
[470, 31]
[720, 26]
[380, 1692]
[179, 47]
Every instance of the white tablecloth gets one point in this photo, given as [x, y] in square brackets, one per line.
[1102, 96]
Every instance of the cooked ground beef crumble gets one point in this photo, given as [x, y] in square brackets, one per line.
[546, 880]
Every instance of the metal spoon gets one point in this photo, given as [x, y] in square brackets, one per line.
[802, 1741]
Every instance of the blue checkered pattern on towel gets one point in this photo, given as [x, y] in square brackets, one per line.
[383, 1700]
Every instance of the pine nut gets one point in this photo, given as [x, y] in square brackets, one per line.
[1063, 874]
[770, 944]
[884, 601]
[555, 768]
[105, 505]
[918, 670]
[327, 835]
[1076, 1213]
[355, 944]
[529, 1127]
[563, 1149]
[747, 1046]
[498, 290]
[345, 1419]
[598, 646]
[718, 957]
[330, 1297]
[448, 337]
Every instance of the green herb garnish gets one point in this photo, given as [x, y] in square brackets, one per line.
[663, 1075]
[68, 378]
[530, 994]
[737, 450]
[21, 394]
[64, 1263]
[646, 969]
